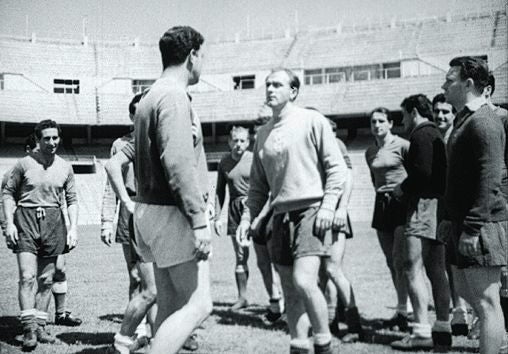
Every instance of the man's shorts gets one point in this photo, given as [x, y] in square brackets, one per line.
[389, 213]
[493, 246]
[163, 235]
[41, 231]
[235, 211]
[421, 220]
[123, 232]
[132, 243]
[263, 229]
[294, 236]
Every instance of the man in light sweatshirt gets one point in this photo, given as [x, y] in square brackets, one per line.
[298, 161]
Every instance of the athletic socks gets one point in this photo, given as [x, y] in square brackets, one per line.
[299, 346]
[59, 290]
[41, 318]
[122, 343]
[322, 343]
[422, 330]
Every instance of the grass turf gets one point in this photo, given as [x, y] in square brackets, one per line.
[97, 280]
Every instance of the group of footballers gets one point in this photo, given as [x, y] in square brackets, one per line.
[440, 210]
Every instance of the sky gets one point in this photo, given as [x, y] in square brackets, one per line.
[148, 19]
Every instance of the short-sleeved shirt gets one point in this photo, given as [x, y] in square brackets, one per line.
[386, 163]
[37, 185]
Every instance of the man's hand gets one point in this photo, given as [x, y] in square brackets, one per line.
[203, 243]
[11, 234]
[107, 236]
[129, 205]
[72, 238]
[397, 192]
[469, 246]
[324, 220]
[242, 233]
[339, 219]
[219, 227]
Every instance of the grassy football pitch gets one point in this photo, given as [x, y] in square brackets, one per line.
[98, 294]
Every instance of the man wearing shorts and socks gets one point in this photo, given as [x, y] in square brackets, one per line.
[424, 184]
[35, 226]
[110, 205]
[233, 173]
[170, 217]
[474, 197]
[297, 160]
[444, 115]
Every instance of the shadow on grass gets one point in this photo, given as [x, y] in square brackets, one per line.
[112, 317]
[93, 350]
[245, 318]
[9, 328]
[94, 338]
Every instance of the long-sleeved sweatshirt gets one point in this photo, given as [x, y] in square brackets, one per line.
[297, 159]
[475, 161]
[170, 160]
[425, 163]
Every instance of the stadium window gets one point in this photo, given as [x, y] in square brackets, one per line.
[391, 70]
[66, 86]
[334, 75]
[141, 85]
[244, 82]
[313, 77]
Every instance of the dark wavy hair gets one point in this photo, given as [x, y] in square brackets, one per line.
[421, 103]
[176, 44]
[473, 68]
[45, 124]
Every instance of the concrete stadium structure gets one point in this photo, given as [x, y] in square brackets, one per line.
[346, 71]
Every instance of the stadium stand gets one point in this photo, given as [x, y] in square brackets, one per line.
[346, 71]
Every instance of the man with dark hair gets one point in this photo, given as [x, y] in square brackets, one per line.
[170, 217]
[444, 114]
[297, 148]
[110, 206]
[424, 184]
[473, 197]
[502, 113]
[35, 226]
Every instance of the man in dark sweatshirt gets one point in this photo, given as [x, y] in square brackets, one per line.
[170, 218]
[474, 197]
[424, 184]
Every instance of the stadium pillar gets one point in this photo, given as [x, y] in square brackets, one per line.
[88, 134]
[214, 135]
[2, 133]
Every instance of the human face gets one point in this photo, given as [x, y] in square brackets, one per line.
[239, 142]
[455, 88]
[196, 58]
[443, 115]
[278, 91]
[380, 126]
[408, 120]
[49, 141]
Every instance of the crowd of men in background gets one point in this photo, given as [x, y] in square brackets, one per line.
[440, 211]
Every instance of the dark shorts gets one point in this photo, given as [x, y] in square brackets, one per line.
[263, 232]
[123, 231]
[132, 242]
[493, 246]
[389, 213]
[347, 229]
[294, 236]
[235, 211]
[41, 231]
[421, 220]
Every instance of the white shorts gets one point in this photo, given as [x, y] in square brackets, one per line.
[163, 235]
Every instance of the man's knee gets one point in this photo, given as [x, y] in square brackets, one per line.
[304, 283]
[27, 279]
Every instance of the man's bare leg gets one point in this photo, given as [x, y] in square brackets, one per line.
[184, 299]
[483, 285]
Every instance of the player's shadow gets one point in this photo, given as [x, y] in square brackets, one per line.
[84, 338]
[9, 328]
[101, 350]
[112, 317]
[248, 317]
